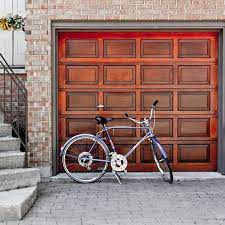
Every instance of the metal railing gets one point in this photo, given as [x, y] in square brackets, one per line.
[13, 103]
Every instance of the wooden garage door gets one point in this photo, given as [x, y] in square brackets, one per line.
[126, 72]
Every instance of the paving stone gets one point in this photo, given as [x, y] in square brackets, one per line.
[135, 202]
[18, 178]
[14, 204]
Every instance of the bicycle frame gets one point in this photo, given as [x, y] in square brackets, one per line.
[148, 136]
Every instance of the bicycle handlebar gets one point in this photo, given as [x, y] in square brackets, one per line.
[150, 117]
[155, 103]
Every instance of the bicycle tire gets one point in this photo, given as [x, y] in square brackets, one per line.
[162, 162]
[83, 175]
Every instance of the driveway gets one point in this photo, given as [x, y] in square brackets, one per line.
[135, 202]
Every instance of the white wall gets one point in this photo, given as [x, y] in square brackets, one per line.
[12, 43]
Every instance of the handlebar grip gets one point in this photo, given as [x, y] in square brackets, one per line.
[155, 103]
[126, 114]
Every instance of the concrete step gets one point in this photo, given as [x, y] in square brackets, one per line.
[18, 178]
[15, 204]
[9, 144]
[1, 117]
[5, 130]
[12, 160]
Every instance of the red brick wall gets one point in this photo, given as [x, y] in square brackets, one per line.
[38, 57]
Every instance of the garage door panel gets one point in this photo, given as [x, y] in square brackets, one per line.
[119, 48]
[80, 101]
[80, 75]
[156, 74]
[163, 128]
[122, 132]
[123, 149]
[194, 48]
[147, 156]
[119, 101]
[80, 126]
[194, 127]
[119, 75]
[82, 48]
[194, 153]
[165, 100]
[156, 48]
[194, 101]
[193, 75]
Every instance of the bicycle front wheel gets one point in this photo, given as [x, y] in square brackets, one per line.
[162, 162]
[85, 158]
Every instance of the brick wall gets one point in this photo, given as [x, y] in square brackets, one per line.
[38, 57]
[6, 86]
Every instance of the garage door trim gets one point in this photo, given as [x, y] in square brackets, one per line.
[178, 26]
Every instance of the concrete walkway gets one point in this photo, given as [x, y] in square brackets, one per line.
[135, 202]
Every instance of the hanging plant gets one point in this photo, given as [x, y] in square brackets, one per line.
[11, 22]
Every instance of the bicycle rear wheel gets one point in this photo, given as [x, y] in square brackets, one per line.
[85, 158]
[162, 162]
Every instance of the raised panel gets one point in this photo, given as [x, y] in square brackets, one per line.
[146, 153]
[165, 100]
[81, 101]
[156, 74]
[82, 74]
[119, 101]
[194, 48]
[119, 75]
[156, 48]
[193, 153]
[122, 132]
[193, 127]
[194, 75]
[194, 101]
[164, 127]
[76, 126]
[119, 48]
[123, 149]
[82, 48]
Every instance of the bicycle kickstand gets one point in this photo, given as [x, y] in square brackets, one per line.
[117, 176]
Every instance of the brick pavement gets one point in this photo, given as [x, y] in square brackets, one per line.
[139, 202]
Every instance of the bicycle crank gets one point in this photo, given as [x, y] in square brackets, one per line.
[118, 162]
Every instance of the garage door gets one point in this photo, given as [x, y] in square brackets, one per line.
[126, 72]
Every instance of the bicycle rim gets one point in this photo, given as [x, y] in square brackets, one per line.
[85, 159]
[162, 164]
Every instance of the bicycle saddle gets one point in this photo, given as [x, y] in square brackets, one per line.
[102, 120]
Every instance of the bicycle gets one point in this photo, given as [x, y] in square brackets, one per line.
[89, 155]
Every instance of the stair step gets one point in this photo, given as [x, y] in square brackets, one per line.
[1, 117]
[9, 144]
[15, 204]
[18, 178]
[12, 160]
[5, 130]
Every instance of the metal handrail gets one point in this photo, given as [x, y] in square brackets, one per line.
[14, 104]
